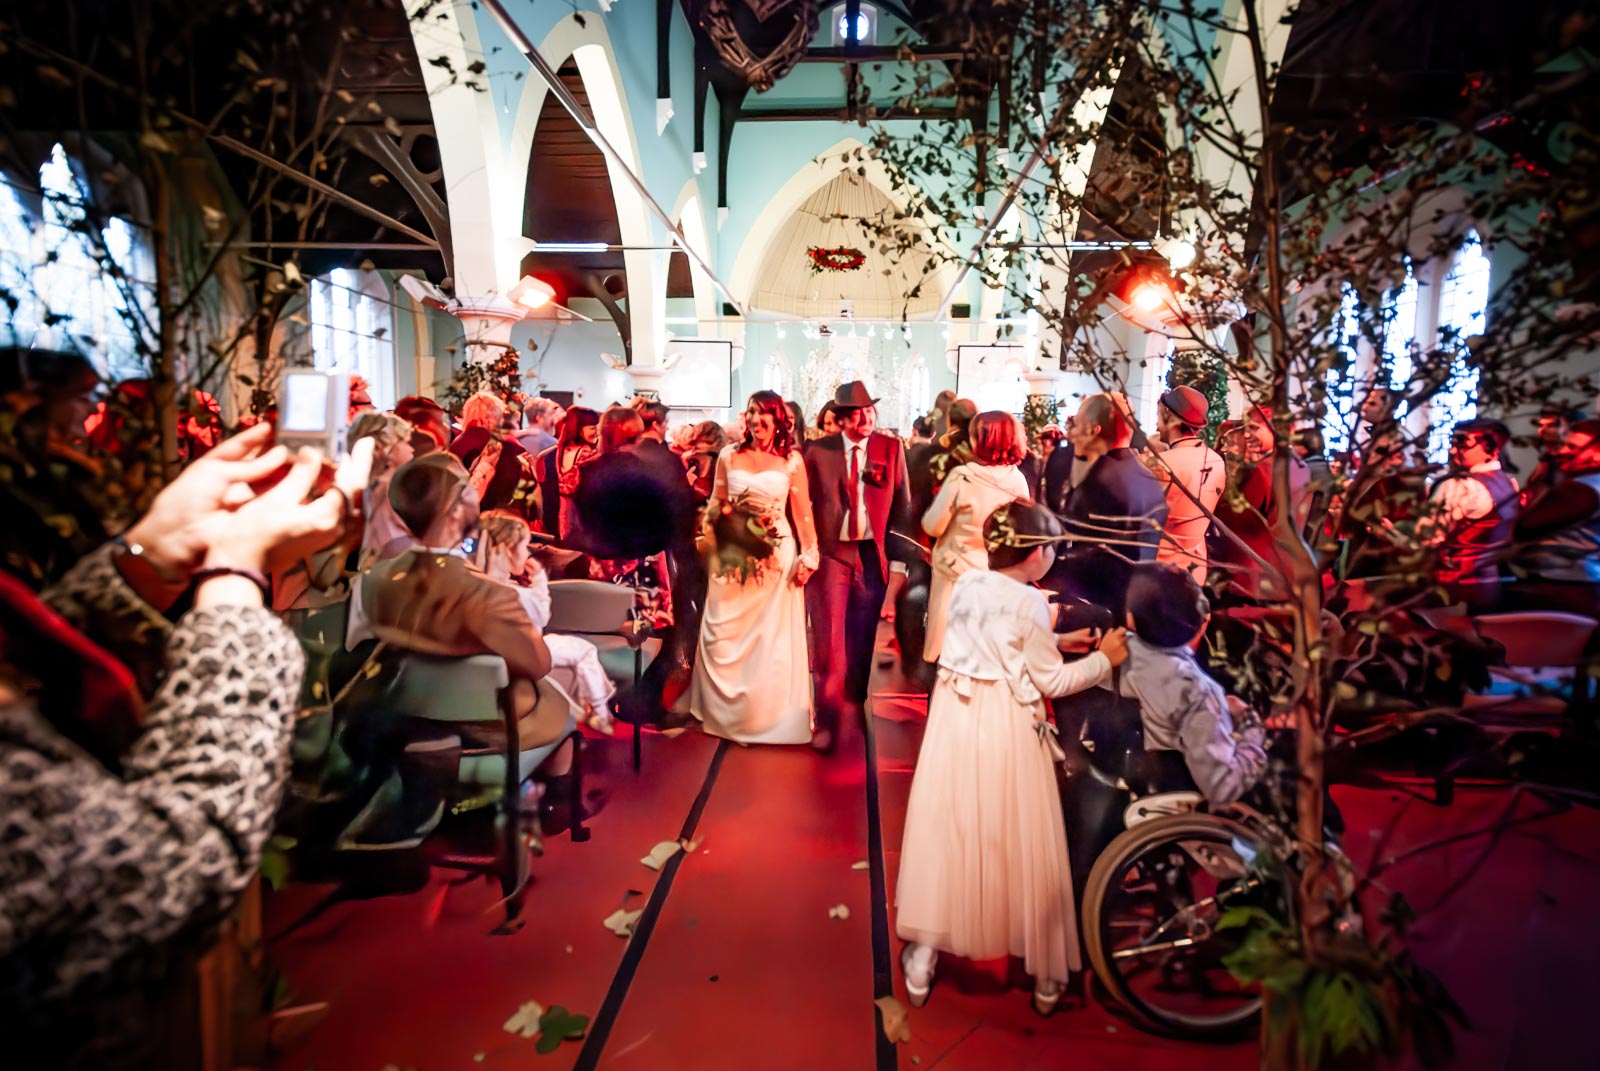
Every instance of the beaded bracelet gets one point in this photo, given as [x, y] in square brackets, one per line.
[255, 577]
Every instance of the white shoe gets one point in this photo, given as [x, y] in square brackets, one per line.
[603, 723]
[917, 963]
[1046, 995]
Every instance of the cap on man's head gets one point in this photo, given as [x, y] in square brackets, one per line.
[1188, 405]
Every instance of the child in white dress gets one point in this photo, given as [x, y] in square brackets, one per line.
[983, 864]
[505, 545]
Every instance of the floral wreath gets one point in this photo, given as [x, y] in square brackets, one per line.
[841, 258]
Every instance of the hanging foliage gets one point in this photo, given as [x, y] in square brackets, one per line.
[501, 377]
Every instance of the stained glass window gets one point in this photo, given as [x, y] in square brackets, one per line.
[76, 287]
[1463, 310]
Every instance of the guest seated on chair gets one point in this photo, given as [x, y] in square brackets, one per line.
[1183, 709]
[1472, 513]
[506, 559]
[429, 600]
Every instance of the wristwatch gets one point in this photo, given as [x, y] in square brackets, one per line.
[136, 550]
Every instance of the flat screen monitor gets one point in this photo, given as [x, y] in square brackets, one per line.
[702, 375]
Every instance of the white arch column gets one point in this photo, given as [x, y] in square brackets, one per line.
[486, 322]
[485, 201]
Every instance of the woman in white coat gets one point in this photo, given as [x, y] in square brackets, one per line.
[955, 519]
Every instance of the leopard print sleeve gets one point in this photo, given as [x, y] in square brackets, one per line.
[95, 599]
[98, 873]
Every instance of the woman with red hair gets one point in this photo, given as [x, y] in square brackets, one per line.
[969, 494]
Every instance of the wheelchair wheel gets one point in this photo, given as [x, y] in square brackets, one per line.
[1149, 922]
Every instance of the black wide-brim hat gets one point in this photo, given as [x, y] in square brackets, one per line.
[853, 395]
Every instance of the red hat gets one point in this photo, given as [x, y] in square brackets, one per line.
[1188, 405]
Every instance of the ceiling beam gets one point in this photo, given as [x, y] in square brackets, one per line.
[879, 54]
[842, 115]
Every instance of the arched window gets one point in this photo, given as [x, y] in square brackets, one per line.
[1463, 311]
[352, 329]
[1340, 385]
[75, 287]
[1439, 305]
[863, 32]
[17, 262]
[775, 375]
[1400, 331]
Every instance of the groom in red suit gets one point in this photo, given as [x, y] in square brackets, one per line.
[859, 495]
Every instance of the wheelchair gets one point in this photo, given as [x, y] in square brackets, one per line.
[1165, 869]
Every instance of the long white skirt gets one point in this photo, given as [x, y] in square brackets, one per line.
[752, 680]
[983, 865]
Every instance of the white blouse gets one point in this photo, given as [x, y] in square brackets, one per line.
[1000, 630]
[957, 515]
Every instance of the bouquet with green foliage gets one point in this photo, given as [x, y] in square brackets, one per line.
[744, 537]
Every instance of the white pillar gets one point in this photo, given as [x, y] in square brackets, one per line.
[647, 381]
[487, 323]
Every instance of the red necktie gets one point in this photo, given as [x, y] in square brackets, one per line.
[854, 529]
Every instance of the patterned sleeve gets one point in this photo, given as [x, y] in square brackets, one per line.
[97, 872]
[95, 599]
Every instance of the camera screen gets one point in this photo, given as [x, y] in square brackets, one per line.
[305, 403]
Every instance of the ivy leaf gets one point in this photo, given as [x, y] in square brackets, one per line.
[558, 1025]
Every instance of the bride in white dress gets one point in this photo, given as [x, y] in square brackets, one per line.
[752, 679]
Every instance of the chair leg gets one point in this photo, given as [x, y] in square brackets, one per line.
[515, 866]
[580, 832]
[638, 731]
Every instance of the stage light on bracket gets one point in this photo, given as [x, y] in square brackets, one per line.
[532, 293]
[1149, 296]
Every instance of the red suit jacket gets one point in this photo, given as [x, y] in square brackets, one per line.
[887, 494]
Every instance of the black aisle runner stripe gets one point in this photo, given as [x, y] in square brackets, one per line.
[882, 962]
[594, 1042]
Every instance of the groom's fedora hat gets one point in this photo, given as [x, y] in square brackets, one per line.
[853, 395]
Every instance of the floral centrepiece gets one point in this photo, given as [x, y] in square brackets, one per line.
[842, 258]
[745, 538]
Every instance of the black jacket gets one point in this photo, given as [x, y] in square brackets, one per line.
[1118, 501]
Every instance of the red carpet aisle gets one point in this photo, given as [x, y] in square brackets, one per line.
[746, 967]
[742, 960]
[414, 994]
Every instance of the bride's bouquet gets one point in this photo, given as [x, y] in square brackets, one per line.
[744, 537]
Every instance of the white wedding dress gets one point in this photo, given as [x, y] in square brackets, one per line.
[752, 680]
